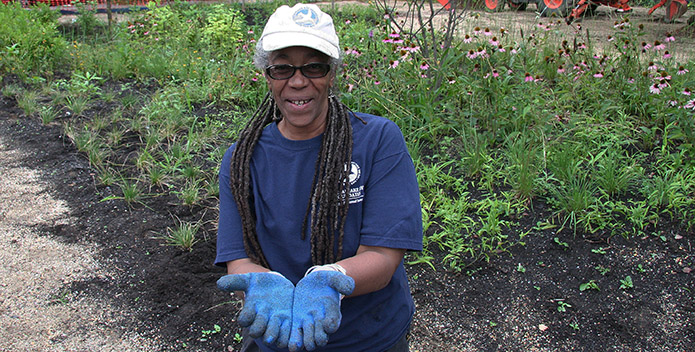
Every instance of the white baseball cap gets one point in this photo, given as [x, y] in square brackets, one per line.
[301, 25]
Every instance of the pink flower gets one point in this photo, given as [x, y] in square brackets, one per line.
[487, 32]
[376, 83]
[424, 66]
[501, 49]
[652, 66]
[669, 38]
[682, 70]
[350, 87]
[560, 69]
[394, 35]
[348, 21]
[667, 55]
[471, 54]
[630, 80]
[146, 33]
[476, 30]
[494, 41]
[598, 75]
[654, 89]
[495, 73]
[686, 91]
[690, 105]
[393, 64]
[528, 77]
[659, 46]
[646, 46]
[467, 39]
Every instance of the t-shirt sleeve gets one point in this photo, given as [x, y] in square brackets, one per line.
[230, 244]
[392, 216]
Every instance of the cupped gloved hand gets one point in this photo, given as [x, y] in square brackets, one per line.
[316, 308]
[267, 308]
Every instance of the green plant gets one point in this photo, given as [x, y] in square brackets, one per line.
[562, 306]
[27, 101]
[131, 191]
[29, 40]
[626, 283]
[562, 244]
[190, 194]
[48, 114]
[520, 268]
[238, 338]
[590, 285]
[224, 29]
[602, 269]
[183, 235]
[77, 104]
[216, 329]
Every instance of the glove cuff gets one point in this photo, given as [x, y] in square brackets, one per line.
[327, 267]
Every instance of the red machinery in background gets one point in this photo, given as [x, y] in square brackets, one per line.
[572, 10]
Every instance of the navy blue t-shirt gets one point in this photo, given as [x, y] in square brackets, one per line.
[384, 211]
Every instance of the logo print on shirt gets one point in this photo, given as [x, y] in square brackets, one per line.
[355, 173]
[356, 193]
[305, 17]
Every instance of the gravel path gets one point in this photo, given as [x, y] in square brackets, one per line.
[37, 312]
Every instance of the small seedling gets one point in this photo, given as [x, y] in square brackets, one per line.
[538, 288]
[207, 333]
[641, 269]
[493, 324]
[591, 285]
[562, 306]
[574, 325]
[562, 244]
[599, 251]
[626, 283]
[238, 338]
[520, 268]
[602, 269]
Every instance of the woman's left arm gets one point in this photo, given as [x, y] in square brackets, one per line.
[372, 267]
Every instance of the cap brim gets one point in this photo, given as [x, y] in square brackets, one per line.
[281, 40]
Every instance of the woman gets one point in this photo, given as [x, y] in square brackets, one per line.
[317, 203]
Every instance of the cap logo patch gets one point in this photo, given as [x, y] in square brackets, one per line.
[305, 17]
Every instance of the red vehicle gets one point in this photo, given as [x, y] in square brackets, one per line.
[572, 9]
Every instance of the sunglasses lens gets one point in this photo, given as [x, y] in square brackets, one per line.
[280, 71]
[315, 70]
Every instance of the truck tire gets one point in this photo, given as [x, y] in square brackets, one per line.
[494, 5]
[558, 8]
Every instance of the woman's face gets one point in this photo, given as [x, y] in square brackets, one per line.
[302, 101]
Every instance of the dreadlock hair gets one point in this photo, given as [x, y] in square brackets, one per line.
[329, 199]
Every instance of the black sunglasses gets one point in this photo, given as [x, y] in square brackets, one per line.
[286, 71]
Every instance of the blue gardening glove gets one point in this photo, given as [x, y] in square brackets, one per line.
[267, 308]
[316, 309]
